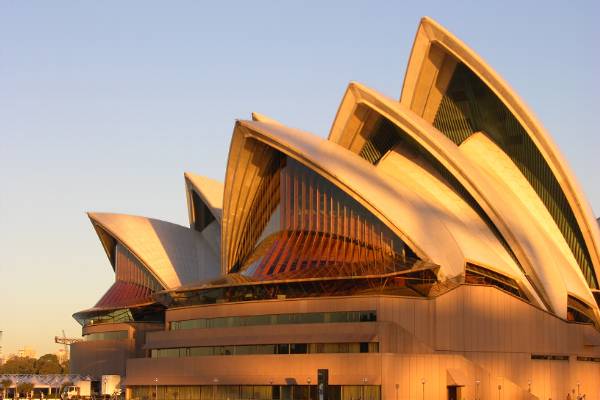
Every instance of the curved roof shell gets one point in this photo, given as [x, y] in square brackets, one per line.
[434, 57]
[209, 190]
[173, 254]
[403, 211]
[544, 265]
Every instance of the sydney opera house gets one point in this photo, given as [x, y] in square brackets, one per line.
[432, 247]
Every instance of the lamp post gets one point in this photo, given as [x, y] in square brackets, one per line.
[578, 394]
[529, 386]
[423, 384]
[499, 390]
[215, 382]
[477, 382]
[365, 380]
[156, 388]
[308, 382]
[397, 387]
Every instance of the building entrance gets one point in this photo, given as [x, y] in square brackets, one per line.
[454, 392]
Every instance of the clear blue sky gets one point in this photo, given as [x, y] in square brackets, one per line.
[104, 105]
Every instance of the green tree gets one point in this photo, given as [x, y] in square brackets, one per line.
[48, 364]
[19, 365]
[25, 388]
[6, 383]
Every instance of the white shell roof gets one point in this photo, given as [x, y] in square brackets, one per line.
[210, 190]
[174, 254]
[542, 263]
[430, 32]
[477, 242]
[490, 158]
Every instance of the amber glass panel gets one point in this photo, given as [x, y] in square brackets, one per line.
[317, 230]
[129, 269]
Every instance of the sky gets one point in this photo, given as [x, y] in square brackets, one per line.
[104, 105]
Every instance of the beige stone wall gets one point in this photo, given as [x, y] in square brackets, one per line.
[472, 333]
[109, 357]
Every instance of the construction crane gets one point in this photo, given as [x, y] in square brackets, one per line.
[66, 342]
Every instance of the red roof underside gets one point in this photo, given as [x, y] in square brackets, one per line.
[125, 294]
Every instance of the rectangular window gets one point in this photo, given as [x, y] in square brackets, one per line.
[276, 319]
[551, 357]
[201, 351]
[281, 348]
[298, 348]
[110, 335]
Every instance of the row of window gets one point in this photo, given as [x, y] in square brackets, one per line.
[110, 335]
[282, 348]
[276, 319]
[255, 392]
[550, 357]
[555, 357]
[588, 359]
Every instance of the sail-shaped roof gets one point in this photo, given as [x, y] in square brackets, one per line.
[175, 255]
[455, 90]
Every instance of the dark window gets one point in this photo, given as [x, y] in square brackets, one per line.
[298, 348]
[550, 357]
[283, 349]
[202, 214]
[276, 319]
[368, 316]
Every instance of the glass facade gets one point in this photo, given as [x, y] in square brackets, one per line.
[304, 226]
[152, 313]
[129, 269]
[483, 276]
[110, 335]
[129, 299]
[416, 283]
[255, 392]
[578, 311]
[276, 319]
[133, 285]
[257, 349]
[202, 215]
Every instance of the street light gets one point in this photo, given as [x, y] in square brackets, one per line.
[308, 381]
[365, 380]
[477, 382]
[423, 383]
[529, 386]
[215, 382]
[156, 388]
[499, 390]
